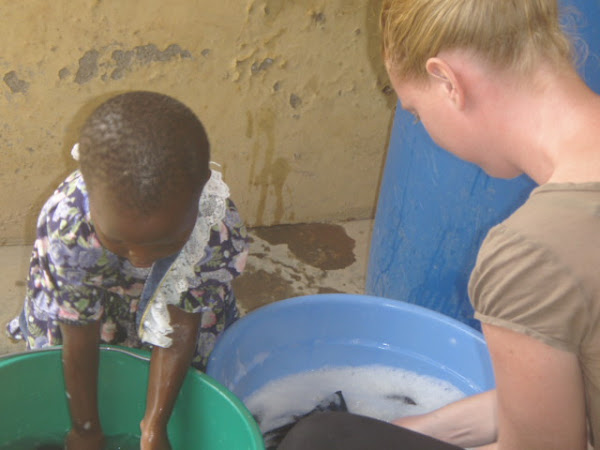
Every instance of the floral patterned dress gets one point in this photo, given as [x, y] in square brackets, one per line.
[74, 279]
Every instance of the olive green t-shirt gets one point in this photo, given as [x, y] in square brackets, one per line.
[538, 273]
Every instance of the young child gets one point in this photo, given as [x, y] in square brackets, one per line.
[493, 82]
[137, 248]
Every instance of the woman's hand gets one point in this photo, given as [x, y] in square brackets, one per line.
[469, 422]
[416, 423]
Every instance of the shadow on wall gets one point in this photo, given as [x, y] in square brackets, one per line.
[375, 57]
[71, 134]
[374, 54]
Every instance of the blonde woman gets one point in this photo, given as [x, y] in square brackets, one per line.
[494, 83]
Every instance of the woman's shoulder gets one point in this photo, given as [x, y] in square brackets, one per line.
[559, 218]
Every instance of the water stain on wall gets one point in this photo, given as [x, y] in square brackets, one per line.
[249, 125]
[274, 171]
[278, 173]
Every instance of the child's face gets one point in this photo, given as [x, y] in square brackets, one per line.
[143, 239]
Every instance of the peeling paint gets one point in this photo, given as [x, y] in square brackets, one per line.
[64, 73]
[88, 67]
[264, 75]
[123, 61]
[145, 54]
[264, 65]
[295, 101]
[15, 84]
[318, 17]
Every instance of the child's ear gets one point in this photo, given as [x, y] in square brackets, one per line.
[442, 74]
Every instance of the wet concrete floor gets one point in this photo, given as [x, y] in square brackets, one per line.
[292, 260]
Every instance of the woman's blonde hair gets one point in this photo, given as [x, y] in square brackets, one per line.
[509, 34]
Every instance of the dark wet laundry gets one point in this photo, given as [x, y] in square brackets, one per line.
[333, 402]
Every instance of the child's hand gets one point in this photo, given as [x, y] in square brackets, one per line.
[154, 438]
[168, 368]
[84, 440]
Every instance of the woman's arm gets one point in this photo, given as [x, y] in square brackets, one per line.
[80, 356]
[541, 402]
[168, 368]
[469, 422]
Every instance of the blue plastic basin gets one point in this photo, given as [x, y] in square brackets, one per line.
[328, 330]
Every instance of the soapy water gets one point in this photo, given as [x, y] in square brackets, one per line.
[56, 442]
[381, 392]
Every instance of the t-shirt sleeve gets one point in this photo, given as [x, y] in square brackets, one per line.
[223, 260]
[522, 286]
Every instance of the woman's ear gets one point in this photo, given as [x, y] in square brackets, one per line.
[442, 75]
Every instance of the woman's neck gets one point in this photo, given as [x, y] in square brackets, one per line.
[551, 127]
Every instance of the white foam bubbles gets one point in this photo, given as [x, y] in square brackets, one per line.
[381, 392]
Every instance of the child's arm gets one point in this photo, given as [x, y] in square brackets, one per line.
[168, 368]
[80, 362]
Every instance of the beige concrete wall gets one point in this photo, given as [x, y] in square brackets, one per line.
[292, 93]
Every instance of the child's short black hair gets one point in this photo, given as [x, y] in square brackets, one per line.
[143, 147]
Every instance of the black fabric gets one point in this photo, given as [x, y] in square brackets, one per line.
[334, 402]
[346, 431]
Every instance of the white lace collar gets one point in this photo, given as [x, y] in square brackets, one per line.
[155, 325]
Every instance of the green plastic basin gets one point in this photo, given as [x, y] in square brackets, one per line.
[33, 402]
